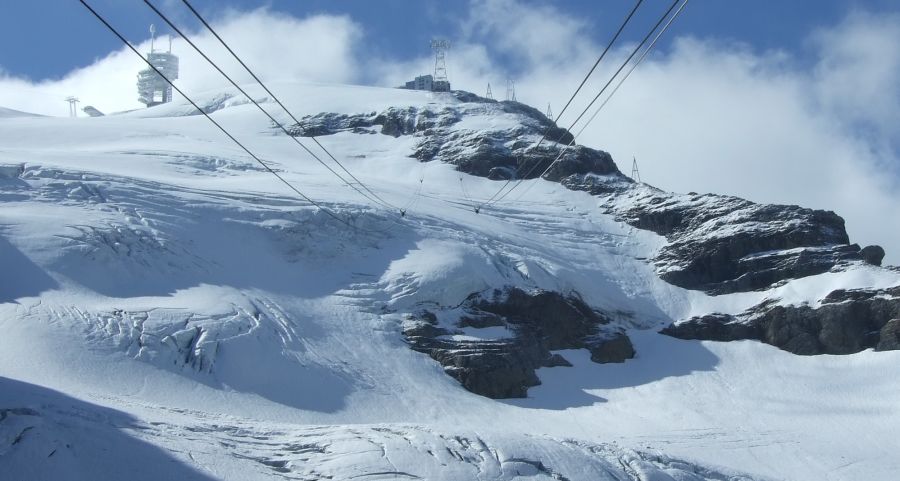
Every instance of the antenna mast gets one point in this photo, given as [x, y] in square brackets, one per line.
[635, 173]
[489, 94]
[440, 48]
[152, 87]
[511, 90]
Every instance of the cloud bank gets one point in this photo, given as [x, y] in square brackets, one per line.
[820, 129]
[317, 48]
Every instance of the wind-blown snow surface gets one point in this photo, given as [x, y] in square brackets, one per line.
[171, 311]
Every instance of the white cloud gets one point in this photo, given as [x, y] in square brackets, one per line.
[708, 115]
[276, 46]
[535, 35]
[858, 72]
[715, 116]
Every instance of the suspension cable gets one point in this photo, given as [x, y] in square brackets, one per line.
[264, 111]
[547, 130]
[208, 117]
[599, 59]
[277, 100]
[613, 92]
[602, 90]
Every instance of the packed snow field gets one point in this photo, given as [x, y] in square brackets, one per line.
[169, 310]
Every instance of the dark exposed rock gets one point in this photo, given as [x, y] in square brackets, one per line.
[844, 295]
[541, 322]
[872, 254]
[496, 369]
[480, 320]
[717, 266]
[889, 336]
[713, 327]
[847, 321]
[560, 322]
[722, 244]
[497, 154]
[423, 324]
[599, 185]
[464, 96]
[423, 329]
[427, 316]
[615, 349]
[718, 244]
[553, 132]
[557, 360]
[580, 160]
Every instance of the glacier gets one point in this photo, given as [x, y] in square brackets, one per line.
[169, 310]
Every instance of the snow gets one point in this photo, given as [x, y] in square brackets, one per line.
[490, 333]
[496, 119]
[6, 113]
[168, 304]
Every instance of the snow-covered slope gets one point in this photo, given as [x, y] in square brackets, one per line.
[171, 311]
[6, 113]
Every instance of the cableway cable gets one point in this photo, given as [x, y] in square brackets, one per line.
[415, 197]
[586, 77]
[599, 59]
[599, 94]
[208, 117]
[613, 92]
[264, 111]
[276, 99]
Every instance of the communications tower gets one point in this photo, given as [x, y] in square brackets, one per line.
[440, 83]
[153, 88]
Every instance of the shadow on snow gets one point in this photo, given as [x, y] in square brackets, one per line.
[658, 357]
[20, 276]
[51, 435]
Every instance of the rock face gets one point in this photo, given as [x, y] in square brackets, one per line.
[723, 244]
[717, 244]
[845, 322]
[530, 326]
[497, 152]
[889, 336]
[872, 254]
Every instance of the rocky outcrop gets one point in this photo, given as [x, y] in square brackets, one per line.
[872, 254]
[536, 324]
[498, 153]
[723, 244]
[889, 336]
[845, 322]
[717, 244]
[496, 369]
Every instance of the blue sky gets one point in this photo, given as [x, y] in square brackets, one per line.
[61, 36]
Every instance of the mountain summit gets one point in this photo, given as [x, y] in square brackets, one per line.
[168, 303]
